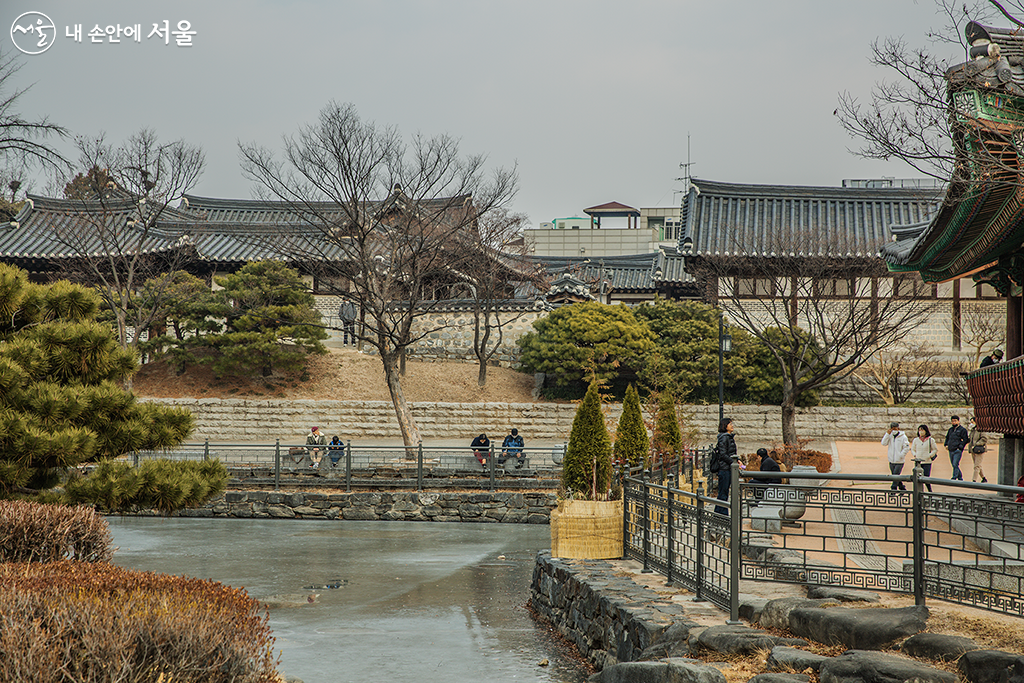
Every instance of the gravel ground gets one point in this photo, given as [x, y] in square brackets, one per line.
[358, 376]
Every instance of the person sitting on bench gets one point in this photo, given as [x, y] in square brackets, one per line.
[335, 450]
[767, 465]
[481, 447]
[512, 447]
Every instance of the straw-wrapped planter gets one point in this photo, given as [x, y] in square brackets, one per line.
[587, 529]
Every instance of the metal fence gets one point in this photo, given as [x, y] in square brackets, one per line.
[358, 462]
[961, 545]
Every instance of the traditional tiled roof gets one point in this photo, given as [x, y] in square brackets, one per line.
[981, 223]
[636, 273]
[785, 220]
[48, 228]
[228, 231]
[260, 211]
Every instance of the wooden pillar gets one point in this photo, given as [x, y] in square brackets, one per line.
[1014, 319]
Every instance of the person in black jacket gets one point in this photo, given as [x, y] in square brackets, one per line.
[721, 463]
[481, 447]
[956, 439]
[767, 465]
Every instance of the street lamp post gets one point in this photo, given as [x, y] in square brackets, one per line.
[724, 347]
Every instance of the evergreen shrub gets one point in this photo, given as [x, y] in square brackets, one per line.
[668, 441]
[631, 442]
[96, 622]
[160, 484]
[587, 466]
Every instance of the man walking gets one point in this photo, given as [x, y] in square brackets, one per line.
[956, 439]
[899, 446]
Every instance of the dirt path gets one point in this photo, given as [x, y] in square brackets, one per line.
[357, 376]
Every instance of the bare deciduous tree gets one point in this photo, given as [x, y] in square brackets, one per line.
[497, 263]
[980, 331]
[23, 140]
[897, 372]
[819, 308]
[390, 221]
[121, 199]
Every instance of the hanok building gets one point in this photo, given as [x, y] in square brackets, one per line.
[53, 238]
[759, 243]
[979, 231]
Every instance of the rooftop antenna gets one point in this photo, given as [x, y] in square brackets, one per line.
[686, 168]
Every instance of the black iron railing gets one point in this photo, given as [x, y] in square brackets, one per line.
[961, 543]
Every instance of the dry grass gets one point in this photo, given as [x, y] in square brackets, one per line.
[343, 374]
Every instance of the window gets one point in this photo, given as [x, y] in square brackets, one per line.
[754, 287]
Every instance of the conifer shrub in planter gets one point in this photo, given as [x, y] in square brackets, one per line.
[587, 524]
[631, 443]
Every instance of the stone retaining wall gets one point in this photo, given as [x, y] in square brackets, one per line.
[608, 618]
[505, 507]
[243, 420]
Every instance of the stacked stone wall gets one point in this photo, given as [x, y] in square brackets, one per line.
[263, 421]
[608, 618]
[503, 507]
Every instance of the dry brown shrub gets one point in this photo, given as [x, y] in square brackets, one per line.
[33, 532]
[791, 456]
[92, 622]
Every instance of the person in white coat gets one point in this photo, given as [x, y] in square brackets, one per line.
[924, 450]
[899, 446]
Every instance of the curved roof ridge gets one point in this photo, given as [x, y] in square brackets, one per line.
[753, 189]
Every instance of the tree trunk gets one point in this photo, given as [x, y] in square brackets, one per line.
[789, 420]
[403, 413]
[481, 376]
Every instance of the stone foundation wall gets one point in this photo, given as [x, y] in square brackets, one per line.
[609, 618]
[504, 507]
[241, 420]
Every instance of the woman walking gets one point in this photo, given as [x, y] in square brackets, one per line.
[977, 442]
[925, 450]
[722, 462]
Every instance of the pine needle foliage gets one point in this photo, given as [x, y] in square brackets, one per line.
[587, 466]
[61, 376]
[157, 484]
[631, 442]
[667, 439]
[272, 324]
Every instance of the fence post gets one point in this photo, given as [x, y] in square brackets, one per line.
[734, 542]
[348, 467]
[419, 466]
[135, 459]
[918, 521]
[670, 529]
[625, 513]
[647, 524]
[699, 541]
[492, 465]
[277, 466]
[206, 450]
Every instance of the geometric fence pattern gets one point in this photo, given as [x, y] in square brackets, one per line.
[961, 546]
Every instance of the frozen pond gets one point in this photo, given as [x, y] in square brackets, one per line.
[416, 601]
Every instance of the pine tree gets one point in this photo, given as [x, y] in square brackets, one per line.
[272, 325]
[61, 377]
[667, 439]
[587, 466]
[631, 442]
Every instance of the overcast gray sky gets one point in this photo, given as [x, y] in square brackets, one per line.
[593, 100]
